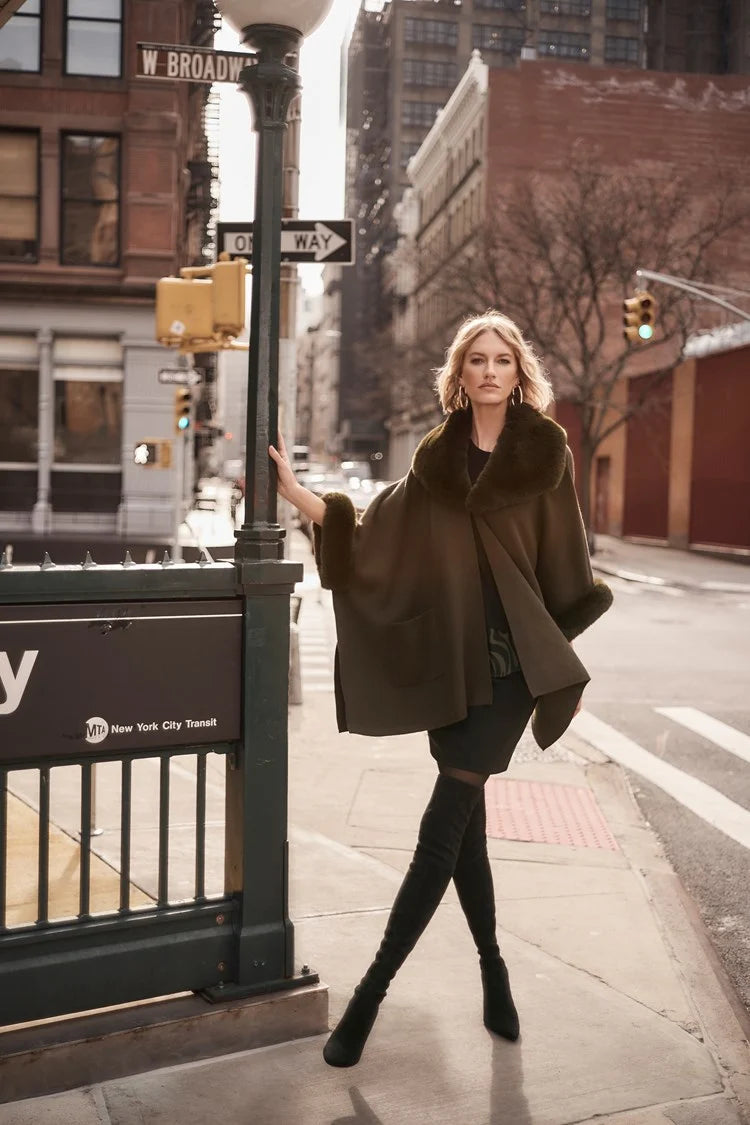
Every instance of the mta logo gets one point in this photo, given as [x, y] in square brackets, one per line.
[97, 729]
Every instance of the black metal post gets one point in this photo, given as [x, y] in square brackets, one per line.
[271, 84]
[256, 854]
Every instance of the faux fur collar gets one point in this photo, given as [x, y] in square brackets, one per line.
[528, 459]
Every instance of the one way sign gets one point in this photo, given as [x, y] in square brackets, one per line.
[302, 240]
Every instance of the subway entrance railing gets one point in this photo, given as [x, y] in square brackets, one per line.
[143, 784]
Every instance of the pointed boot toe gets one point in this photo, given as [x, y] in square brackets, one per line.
[500, 1015]
[347, 1041]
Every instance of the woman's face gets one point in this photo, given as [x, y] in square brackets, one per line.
[489, 371]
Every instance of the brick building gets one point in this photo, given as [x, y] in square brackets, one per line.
[107, 185]
[680, 473]
[405, 61]
[502, 124]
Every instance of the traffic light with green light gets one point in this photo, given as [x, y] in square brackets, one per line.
[639, 317]
[183, 408]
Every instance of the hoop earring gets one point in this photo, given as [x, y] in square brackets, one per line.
[463, 399]
[516, 401]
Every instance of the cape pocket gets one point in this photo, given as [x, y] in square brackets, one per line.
[410, 650]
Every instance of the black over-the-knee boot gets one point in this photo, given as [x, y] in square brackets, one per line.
[440, 834]
[476, 893]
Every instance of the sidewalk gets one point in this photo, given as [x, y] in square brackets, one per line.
[625, 1018]
[659, 566]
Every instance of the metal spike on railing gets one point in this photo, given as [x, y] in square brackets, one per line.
[5, 563]
[205, 558]
[167, 561]
[128, 560]
[47, 563]
[88, 563]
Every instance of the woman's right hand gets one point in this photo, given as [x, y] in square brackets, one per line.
[286, 482]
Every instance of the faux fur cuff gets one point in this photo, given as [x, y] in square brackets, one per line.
[586, 610]
[333, 542]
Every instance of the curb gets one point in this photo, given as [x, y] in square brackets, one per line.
[653, 580]
[723, 1023]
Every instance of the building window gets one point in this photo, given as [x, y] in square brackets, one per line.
[425, 72]
[19, 401]
[93, 37]
[443, 32]
[509, 40]
[502, 5]
[90, 217]
[19, 422]
[566, 7]
[19, 196]
[420, 113]
[564, 44]
[408, 149]
[88, 401]
[624, 10]
[619, 48]
[20, 39]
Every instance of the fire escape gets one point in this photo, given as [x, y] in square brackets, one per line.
[202, 204]
[203, 162]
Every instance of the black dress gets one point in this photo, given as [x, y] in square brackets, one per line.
[484, 741]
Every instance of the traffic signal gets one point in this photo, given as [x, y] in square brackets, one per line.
[183, 408]
[203, 309]
[639, 317]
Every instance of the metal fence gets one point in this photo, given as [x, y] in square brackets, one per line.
[222, 926]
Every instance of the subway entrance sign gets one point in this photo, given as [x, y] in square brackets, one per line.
[190, 64]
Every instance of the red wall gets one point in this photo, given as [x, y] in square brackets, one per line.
[720, 493]
[647, 442]
[539, 109]
[567, 416]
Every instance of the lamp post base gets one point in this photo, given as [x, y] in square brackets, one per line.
[259, 543]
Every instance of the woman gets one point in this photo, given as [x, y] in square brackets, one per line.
[456, 595]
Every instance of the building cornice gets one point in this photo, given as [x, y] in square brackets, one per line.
[450, 124]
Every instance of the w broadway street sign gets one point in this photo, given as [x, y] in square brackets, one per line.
[189, 64]
[302, 240]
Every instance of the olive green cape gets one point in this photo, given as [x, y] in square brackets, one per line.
[412, 645]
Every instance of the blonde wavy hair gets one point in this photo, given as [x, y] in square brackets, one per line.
[536, 387]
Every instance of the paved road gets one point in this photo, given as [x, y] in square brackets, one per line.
[668, 699]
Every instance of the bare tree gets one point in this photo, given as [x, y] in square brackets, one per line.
[558, 255]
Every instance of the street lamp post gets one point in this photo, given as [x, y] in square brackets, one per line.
[275, 28]
[256, 864]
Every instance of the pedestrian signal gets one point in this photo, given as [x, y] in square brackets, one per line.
[183, 408]
[638, 318]
[153, 453]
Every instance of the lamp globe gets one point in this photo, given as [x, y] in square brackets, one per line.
[300, 15]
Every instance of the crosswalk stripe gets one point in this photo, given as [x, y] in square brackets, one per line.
[707, 803]
[713, 729]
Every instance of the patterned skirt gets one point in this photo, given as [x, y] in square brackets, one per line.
[485, 739]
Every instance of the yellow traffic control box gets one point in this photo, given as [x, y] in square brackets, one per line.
[184, 310]
[228, 283]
